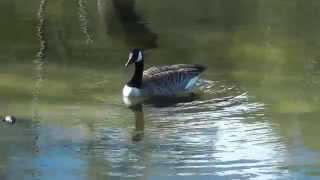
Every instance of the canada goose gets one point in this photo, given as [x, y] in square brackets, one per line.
[158, 81]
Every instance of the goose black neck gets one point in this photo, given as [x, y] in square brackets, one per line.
[136, 80]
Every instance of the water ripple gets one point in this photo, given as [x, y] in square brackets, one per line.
[222, 134]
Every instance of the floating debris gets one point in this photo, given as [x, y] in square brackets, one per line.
[9, 119]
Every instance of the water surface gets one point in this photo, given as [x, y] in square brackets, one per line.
[62, 72]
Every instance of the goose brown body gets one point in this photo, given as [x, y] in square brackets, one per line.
[170, 80]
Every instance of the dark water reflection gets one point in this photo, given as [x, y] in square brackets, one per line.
[62, 72]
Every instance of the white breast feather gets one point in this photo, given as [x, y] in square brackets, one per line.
[130, 91]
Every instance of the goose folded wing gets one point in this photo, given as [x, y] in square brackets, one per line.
[177, 67]
[168, 80]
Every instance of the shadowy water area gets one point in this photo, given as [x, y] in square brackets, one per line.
[62, 72]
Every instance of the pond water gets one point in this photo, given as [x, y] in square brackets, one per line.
[62, 73]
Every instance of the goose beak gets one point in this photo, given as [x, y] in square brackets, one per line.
[130, 61]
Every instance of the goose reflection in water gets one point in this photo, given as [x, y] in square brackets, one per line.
[135, 104]
[123, 22]
[139, 122]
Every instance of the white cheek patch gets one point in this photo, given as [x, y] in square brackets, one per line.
[130, 55]
[139, 56]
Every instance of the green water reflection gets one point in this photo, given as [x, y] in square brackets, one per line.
[258, 120]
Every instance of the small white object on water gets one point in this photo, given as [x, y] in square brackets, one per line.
[9, 119]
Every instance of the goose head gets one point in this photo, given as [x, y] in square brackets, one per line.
[135, 56]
